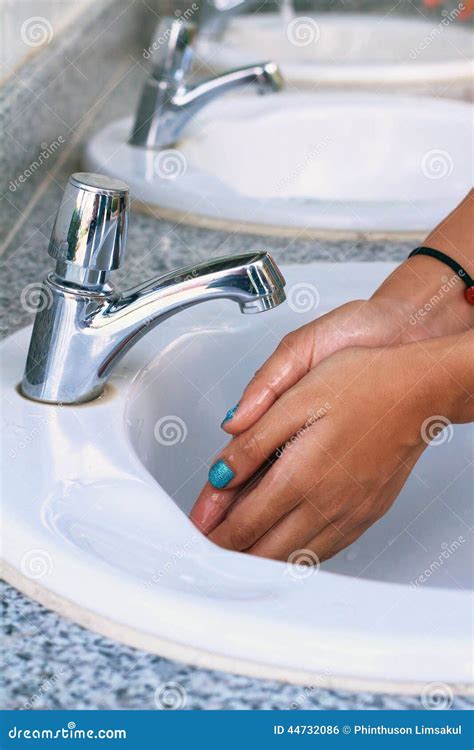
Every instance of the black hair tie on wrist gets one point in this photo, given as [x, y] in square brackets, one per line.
[459, 270]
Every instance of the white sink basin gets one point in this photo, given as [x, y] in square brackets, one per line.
[350, 50]
[303, 164]
[93, 500]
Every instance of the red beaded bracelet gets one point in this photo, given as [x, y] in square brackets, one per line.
[459, 270]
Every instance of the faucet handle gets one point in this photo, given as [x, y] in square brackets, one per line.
[173, 55]
[90, 229]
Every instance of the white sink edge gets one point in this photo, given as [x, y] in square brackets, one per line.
[223, 204]
[220, 57]
[366, 670]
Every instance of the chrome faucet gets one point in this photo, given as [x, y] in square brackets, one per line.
[84, 326]
[167, 103]
[215, 14]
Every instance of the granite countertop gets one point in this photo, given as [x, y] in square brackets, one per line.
[51, 663]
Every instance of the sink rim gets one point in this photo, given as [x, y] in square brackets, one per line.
[221, 206]
[220, 57]
[52, 593]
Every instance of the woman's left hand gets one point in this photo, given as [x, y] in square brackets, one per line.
[352, 429]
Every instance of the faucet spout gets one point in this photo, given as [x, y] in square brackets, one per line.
[167, 103]
[252, 280]
[79, 339]
[87, 325]
[266, 76]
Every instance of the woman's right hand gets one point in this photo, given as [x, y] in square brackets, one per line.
[421, 299]
[371, 323]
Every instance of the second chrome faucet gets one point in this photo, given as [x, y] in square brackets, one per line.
[167, 102]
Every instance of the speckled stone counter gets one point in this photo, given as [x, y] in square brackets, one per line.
[48, 662]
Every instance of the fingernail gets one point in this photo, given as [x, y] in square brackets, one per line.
[220, 474]
[229, 415]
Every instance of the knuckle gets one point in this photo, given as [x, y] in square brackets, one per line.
[242, 534]
[361, 514]
[249, 446]
[288, 341]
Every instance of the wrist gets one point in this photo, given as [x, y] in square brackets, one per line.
[439, 377]
[429, 297]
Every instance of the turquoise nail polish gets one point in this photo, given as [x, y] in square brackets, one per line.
[229, 414]
[220, 474]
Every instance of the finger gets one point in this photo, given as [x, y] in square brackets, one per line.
[212, 505]
[286, 366]
[350, 527]
[277, 494]
[333, 547]
[290, 416]
[211, 508]
[293, 532]
[298, 352]
[318, 514]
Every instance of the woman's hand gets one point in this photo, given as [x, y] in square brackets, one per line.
[356, 392]
[352, 432]
[347, 436]
[421, 299]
